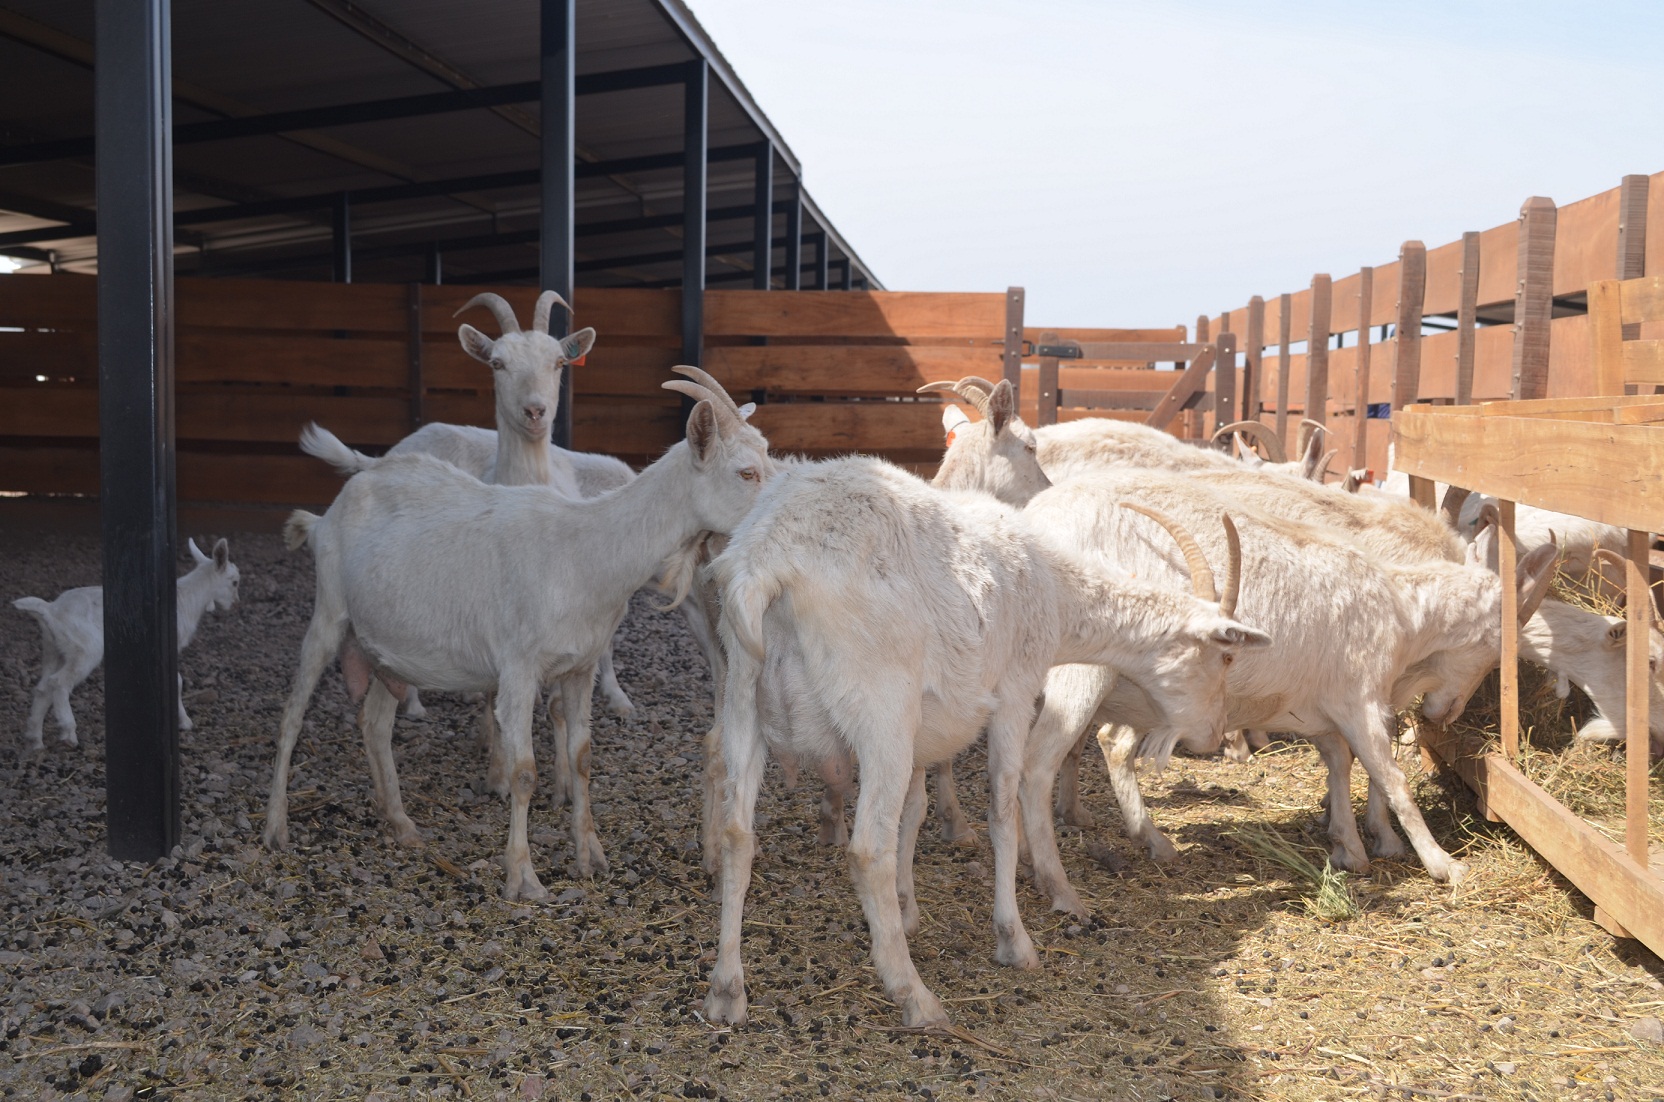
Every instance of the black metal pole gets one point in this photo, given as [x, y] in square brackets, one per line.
[823, 268]
[560, 63]
[844, 278]
[762, 226]
[794, 238]
[132, 81]
[341, 238]
[695, 134]
[435, 273]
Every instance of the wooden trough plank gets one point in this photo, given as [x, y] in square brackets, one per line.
[913, 314]
[1559, 465]
[1596, 866]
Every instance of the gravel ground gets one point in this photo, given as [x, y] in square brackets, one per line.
[350, 968]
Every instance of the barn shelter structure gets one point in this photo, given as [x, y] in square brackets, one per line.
[545, 143]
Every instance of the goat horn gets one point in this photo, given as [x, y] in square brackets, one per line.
[1323, 467]
[540, 314]
[1607, 555]
[1201, 576]
[692, 390]
[970, 394]
[1307, 428]
[1451, 507]
[499, 307]
[1233, 571]
[1259, 434]
[979, 382]
[1528, 609]
[1489, 514]
[706, 380]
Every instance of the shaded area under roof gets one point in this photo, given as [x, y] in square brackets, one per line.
[424, 113]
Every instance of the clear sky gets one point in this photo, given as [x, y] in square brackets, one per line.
[1138, 163]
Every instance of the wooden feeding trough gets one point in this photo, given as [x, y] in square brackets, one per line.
[1602, 458]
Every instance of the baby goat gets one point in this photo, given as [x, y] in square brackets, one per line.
[72, 636]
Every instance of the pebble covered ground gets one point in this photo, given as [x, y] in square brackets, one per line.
[350, 968]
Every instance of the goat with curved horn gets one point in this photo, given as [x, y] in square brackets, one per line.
[1259, 433]
[499, 307]
[708, 381]
[1450, 509]
[1201, 575]
[1233, 567]
[1307, 428]
[540, 313]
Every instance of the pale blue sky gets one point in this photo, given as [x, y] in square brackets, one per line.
[1138, 163]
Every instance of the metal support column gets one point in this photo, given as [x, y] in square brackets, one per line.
[435, 269]
[558, 51]
[695, 134]
[846, 279]
[762, 223]
[340, 238]
[132, 81]
[823, 264]
[794, 237]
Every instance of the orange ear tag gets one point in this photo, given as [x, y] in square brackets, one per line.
[579, 362]
[949, 443]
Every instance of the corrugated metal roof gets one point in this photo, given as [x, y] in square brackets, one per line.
[256, 57]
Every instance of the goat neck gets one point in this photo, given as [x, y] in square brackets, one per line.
[522, 460]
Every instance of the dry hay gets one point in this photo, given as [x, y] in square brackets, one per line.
[350, 968]
[1587, 777]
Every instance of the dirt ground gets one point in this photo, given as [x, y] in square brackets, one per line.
[350, 968]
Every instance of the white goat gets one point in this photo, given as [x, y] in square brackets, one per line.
[72, 636]
[1356, 639]
[908, 620]
[1249, 435]
[433, 578]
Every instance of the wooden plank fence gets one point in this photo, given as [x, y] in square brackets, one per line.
[1504, 313]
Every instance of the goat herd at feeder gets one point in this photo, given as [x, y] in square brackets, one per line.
[1046, 584]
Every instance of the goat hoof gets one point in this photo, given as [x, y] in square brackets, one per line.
[525, 887]
[725, 1003]
[1349, 862]
[1161, 849]
[68, 738]
[1078, 816]
[1067, 901]
[1389, 845]
[832, 834]
[621, 706]
[923, 1010]
[1015, 949]
[408, 836]
[910, 917]
[959, 833]
[276, 837]
[1455, 873]
[185, 723]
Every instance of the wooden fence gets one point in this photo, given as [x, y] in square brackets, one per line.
[1508, 305]
[255, 360]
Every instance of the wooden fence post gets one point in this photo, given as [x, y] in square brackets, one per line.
[1467, 318]
[1632, 241]
[1046, 411]
[1406, 354]
[1224, 379]
[1360, 416]
[1201, 329]
[1284, 305]
[1317, 352]
[1534, 297]
[413, 339]
[1014, 339]
[1252, 356]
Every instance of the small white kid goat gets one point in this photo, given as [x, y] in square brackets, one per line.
[893, 622]
[430, 577]
[72, 636]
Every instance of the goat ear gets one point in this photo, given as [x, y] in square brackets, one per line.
[953, 417]
[1232, 634]
[1533, 577]
[475, 343]
[1482, 551]
[702, 436]
[576, 346]
[1617, 633]
[747, 410]
[1002, 405]
[222, 554]
[196, 552]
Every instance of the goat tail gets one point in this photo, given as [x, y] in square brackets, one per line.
[744, 602]
[677, 574]
[298, 528]
[34, 606]
[317, 441]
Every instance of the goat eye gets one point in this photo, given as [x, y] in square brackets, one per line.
[749, 474]
[1228, 659]
[496, 365]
